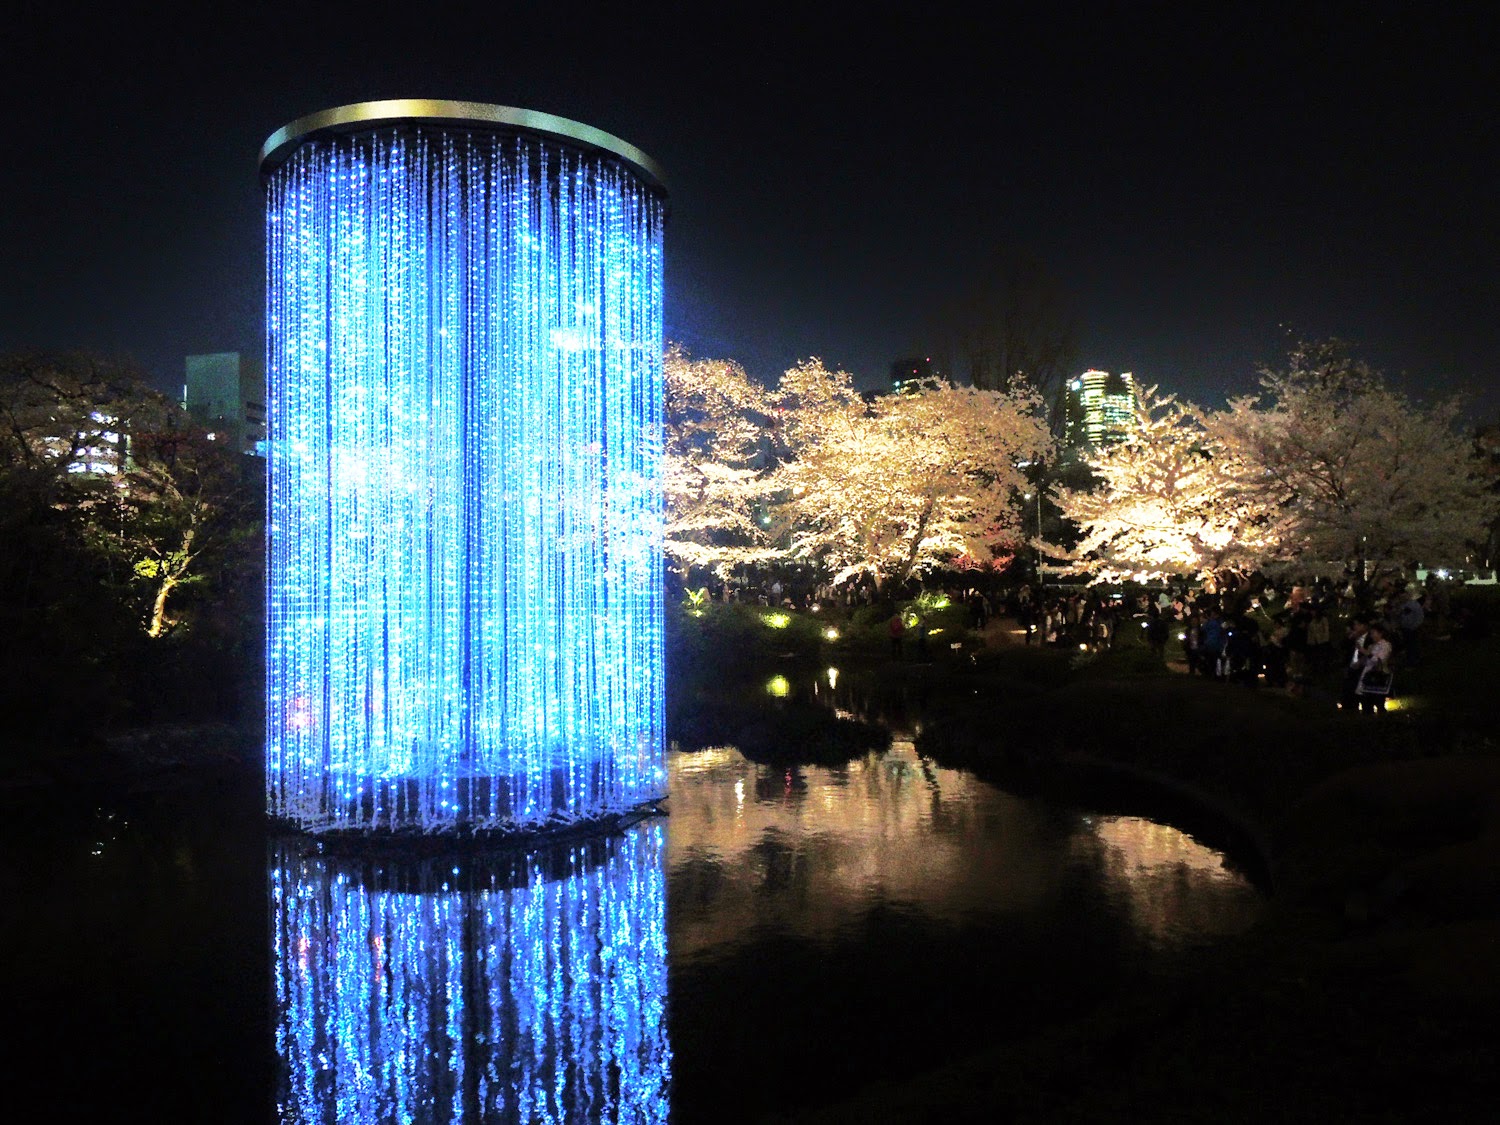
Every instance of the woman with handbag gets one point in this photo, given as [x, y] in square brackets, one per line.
[1375, 671]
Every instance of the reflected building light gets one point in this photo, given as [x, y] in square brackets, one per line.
[531, 989]
[464, 590]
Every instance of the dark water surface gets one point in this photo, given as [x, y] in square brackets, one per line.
[785, 936]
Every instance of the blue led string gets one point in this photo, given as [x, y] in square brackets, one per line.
[403, 997]
[464, 565]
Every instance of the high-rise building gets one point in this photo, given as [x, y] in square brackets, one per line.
[226, 392]
[1100, 408]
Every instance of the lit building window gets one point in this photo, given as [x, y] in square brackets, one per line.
[1101, 408]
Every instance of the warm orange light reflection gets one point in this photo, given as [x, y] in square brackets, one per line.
[1148, 866]
[894, 822]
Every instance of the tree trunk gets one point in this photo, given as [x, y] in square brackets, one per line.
[916, 543]
[158, 624]
[169, 582]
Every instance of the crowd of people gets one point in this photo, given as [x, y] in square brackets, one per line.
[1089, 619]
[1287, 637]
[1313, 633]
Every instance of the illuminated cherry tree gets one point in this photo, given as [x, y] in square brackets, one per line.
[1167, 502]
[892, 487]
[1328, 472]
[716, 474]
[1359, 477]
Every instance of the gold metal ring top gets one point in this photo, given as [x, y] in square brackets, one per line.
[371, 115]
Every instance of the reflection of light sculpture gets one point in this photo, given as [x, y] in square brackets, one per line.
[464, 568]
[526, 992]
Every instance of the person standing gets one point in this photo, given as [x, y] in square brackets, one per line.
[1276, 652]
[1357, 637]
[978, 611]
[1212, 639]
[1319, 642]
[897, 629]
[1375, 672]
[1156, 631]
[1409, 619]
[1192, 642]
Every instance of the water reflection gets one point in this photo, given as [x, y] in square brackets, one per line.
[804, 850]
[863, 920]
[1174, 888]
[530, 989]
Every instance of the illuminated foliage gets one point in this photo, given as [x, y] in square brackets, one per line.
[1328, 472]
[142, 486]
[100, 476]
[1166, 503]
[1357, 476]
[716, 473]
[893, 487]
[187, 500]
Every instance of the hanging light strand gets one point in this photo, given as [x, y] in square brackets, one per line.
[464, 592]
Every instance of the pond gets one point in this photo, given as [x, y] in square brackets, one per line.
[785, 936]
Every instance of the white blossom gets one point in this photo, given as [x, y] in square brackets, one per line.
[1166, 502]
[895, 486]
[1327, 472]
[1357, 474]
[717, 470]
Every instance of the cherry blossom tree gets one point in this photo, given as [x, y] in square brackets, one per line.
[1327, 472]
[1166, 502]
[895, 486]
[717, 472]
[1360, 479]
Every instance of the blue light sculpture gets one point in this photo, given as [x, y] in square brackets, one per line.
[527, 990]
[464, 592]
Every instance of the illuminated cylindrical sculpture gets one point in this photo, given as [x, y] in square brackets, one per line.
[464, 527]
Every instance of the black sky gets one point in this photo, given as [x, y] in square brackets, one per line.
[1204, 178]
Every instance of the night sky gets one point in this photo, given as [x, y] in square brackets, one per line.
[1206, 181]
